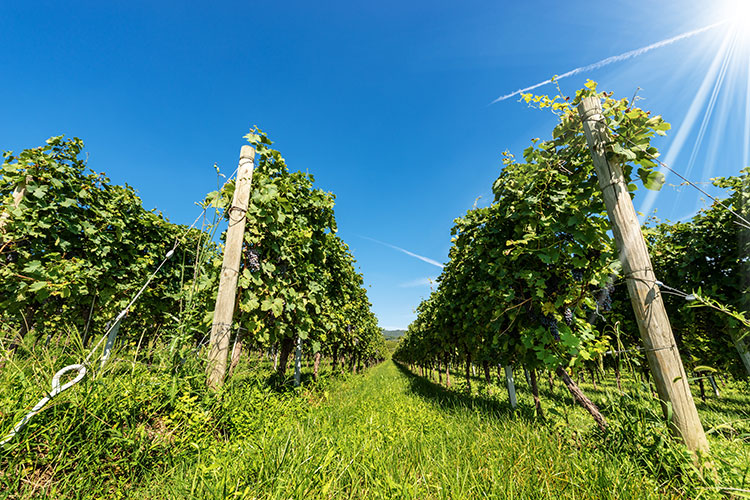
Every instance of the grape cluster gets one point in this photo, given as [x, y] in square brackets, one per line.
[577, 274]
[551, 323]
[253, 261]
[604, 299]
[568, 316]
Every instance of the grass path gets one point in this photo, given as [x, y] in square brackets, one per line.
[390, 434]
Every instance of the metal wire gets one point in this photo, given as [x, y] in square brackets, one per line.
[109, 336]
[745, 223]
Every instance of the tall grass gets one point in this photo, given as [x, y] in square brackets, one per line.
[394, 435]
[134, 419]
[141, 429]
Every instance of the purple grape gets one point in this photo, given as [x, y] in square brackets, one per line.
[568, 316]
[253, 261]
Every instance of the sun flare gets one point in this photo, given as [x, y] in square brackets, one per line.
[738, 14]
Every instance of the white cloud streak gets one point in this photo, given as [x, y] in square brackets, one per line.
[420, 282]
[614, 59]
[407, 252]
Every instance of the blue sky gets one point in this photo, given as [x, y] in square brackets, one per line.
[386, 103]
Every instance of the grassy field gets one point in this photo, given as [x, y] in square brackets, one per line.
[139, 431]
[392, 435]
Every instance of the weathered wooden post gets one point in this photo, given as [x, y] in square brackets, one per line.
[298, 363]
[222, 325]
[316, 365]
[743, 349]
[510, 383]
[653, 323]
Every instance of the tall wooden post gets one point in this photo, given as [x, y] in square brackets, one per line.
[653, 323]
[222, 325]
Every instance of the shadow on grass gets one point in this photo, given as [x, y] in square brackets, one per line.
[552, 400]
[451, 399]
[283, 384]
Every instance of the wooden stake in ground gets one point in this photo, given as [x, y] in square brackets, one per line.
[653, 323]
[316, 365]
[535, 393]
[510, 383]
[225, 298]
[447, 371]
[298, 363]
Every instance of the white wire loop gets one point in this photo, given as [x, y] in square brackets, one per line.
[57, 388]
[110, 336]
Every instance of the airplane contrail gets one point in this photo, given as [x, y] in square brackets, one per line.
[430, 281]
[407, 252]
[614, 59]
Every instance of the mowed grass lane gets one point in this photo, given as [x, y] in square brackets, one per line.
[390, 434]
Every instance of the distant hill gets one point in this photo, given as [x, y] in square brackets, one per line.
[393, 334]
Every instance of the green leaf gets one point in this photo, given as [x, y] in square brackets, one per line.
[38, 285]
[654, 180]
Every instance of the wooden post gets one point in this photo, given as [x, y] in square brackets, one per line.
[653, 323]
[316, 365]
[236, 352]
[535, 393]
[225, 298]
[742, 348]
[511, 386]
[298, 363]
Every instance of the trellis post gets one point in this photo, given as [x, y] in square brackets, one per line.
[225, 298]
[298, 362]
[653, 323]
[509, 382]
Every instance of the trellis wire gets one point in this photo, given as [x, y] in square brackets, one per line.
[110, 336]
[744, 222]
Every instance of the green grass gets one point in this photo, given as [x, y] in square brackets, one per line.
[131, 421]
[140, 431]
[391, 434]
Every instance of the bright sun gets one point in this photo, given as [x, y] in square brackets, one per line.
[738, 13]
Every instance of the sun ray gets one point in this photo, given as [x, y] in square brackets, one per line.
[718, 84]
[720, 127]
[696, 106]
